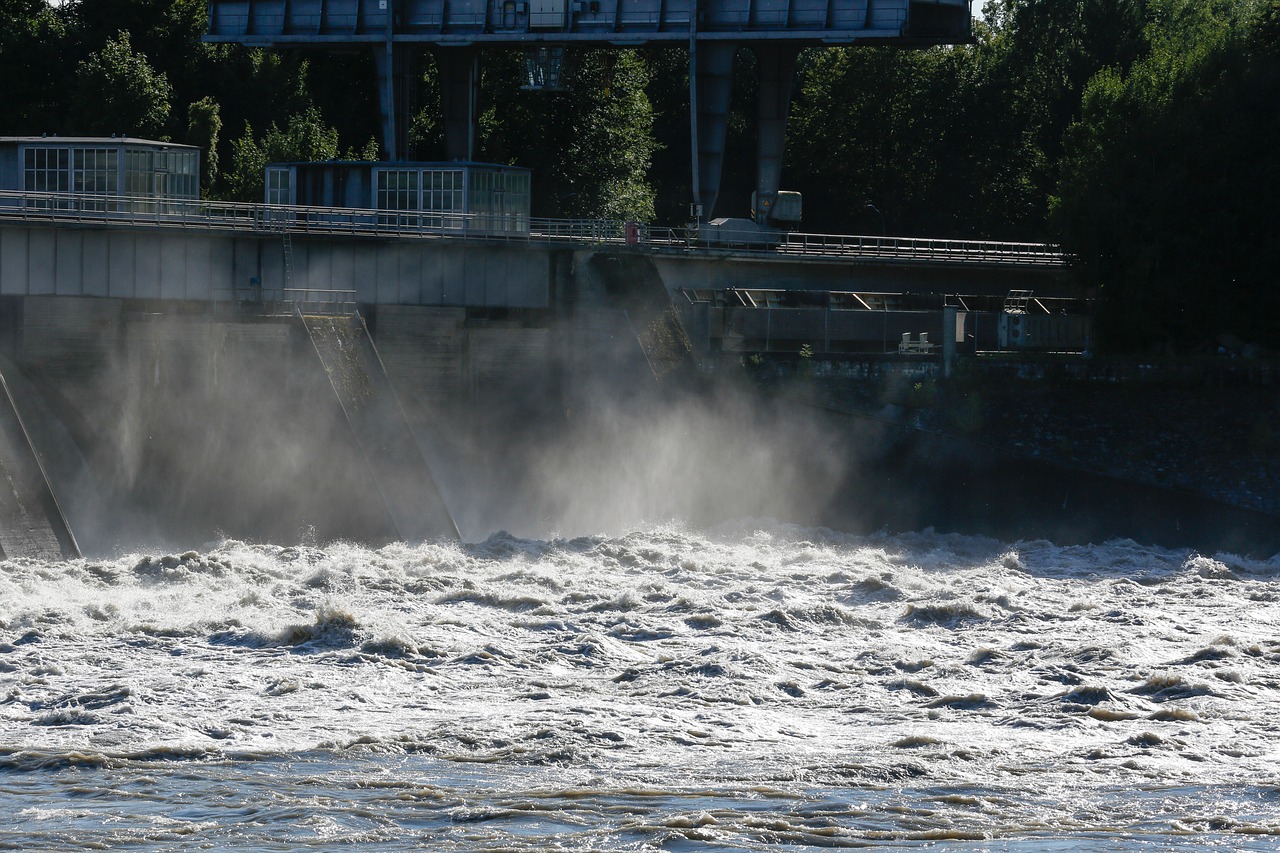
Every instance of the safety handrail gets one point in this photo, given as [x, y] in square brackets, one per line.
[319, 301]
[141, 211]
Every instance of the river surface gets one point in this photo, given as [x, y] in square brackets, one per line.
[755, 686]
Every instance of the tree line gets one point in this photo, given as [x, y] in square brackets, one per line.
[1141, 135]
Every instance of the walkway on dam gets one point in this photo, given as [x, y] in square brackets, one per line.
[259, 219]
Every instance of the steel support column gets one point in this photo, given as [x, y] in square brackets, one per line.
[395, 68]
[458, 69]
[711, 84]
[776, 67]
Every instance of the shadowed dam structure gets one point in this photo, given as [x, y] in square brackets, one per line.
[203, 377]
[190, 376]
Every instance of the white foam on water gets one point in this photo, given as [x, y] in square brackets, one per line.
[753, 656]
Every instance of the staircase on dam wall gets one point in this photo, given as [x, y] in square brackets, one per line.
[31, 521]
[394, 461]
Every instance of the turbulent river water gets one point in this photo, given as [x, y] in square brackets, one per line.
[748, 687]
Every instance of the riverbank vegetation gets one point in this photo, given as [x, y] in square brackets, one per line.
[1140, 134]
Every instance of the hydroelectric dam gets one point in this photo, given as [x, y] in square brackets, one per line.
[289, 374]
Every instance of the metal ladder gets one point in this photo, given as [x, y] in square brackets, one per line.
[287, 239]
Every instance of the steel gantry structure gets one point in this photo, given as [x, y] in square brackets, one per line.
[456, 31]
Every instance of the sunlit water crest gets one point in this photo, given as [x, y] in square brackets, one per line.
[737, 689]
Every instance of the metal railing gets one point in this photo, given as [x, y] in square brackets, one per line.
[311, 301]
[922, 248]
[148, 212]
[288, 301]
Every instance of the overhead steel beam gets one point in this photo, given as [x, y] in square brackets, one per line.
[634, 22]
[775, 69]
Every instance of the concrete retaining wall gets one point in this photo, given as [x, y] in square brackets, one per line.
[178, 263]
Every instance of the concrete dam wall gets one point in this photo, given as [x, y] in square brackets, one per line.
[212, 265]
[176, 422]
[157, 398]
[167, 427]
[181, 428]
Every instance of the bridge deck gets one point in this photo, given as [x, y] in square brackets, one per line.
[405, 225]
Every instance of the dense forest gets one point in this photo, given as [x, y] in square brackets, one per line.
[1142, 135]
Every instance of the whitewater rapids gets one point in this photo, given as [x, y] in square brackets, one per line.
[741, 688]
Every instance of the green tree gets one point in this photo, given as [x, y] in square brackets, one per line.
[204, 124]
[116, 89]
[370, 151]
[255, 87]
[1265, 32]
[426, 127]
[1169, 181]
[960, 141]
[610, 145]
[305, 138]
[868, 126]
[589, 148]
[167, 32]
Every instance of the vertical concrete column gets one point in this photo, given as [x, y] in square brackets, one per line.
[710, 85]
[950, 331]
[776, 66]
[395, 69]
[459, 73]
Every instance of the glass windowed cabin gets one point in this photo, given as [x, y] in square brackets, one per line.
[94, 173]
[473, 197]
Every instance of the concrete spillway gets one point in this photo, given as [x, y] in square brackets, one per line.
[380, 428]
[175, 423]
[160, 426]
[31, 521]
[187, 408]
[545, 384]
[164, 427]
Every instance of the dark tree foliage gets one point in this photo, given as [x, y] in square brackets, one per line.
[426, 127]
[117, 91]
[590, 147]
[334, 85]
[866, 130]
[1169, 181]
[34, 67]
[958, 141]
[204, 126]
[738, 179]
[670, 173]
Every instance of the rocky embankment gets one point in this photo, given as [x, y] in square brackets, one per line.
[1221, 442]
